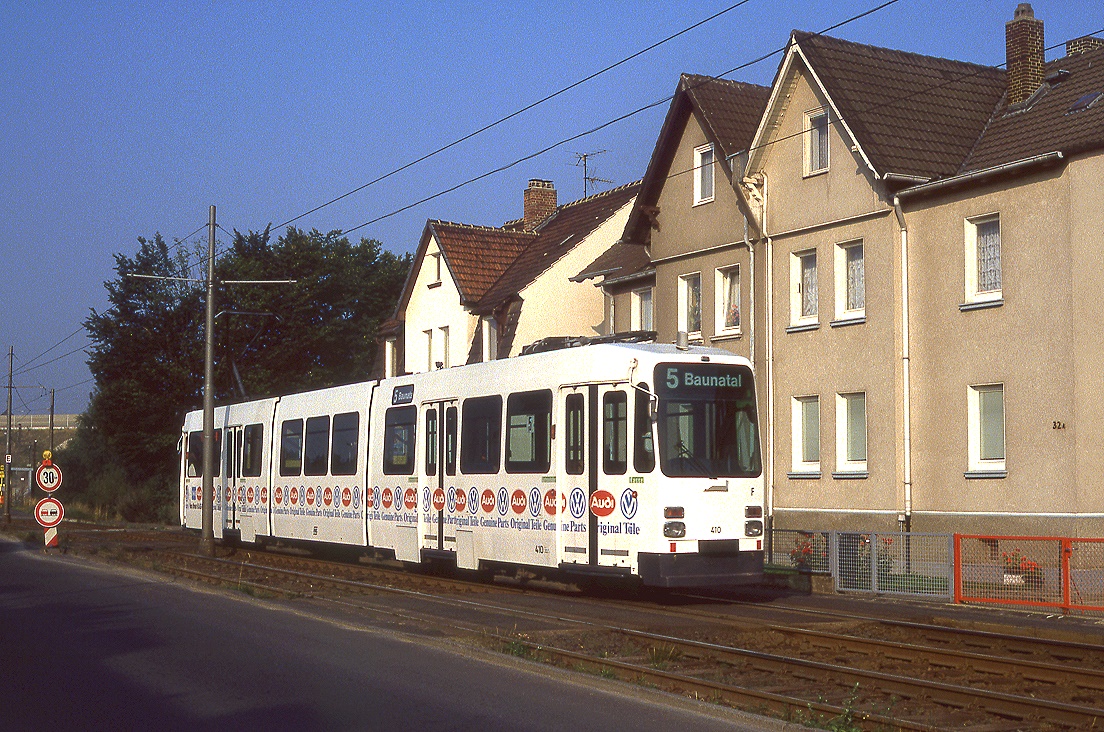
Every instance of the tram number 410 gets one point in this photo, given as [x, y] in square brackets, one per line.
[715, 530]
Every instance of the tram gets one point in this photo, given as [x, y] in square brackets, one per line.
[608, 460]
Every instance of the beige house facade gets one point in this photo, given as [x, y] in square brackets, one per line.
[916, 241]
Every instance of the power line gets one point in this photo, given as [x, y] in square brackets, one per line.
[27, 364]
[602, 126]
[25, 369]
[524, 109]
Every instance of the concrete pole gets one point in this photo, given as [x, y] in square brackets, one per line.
[207, 537]
[7, 450]
[51, 422]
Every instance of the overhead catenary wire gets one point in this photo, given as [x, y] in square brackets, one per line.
[510, 116]
[27, 364]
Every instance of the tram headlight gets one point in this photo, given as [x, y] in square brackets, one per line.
[753, 528]
[674, 512]
[753, 512]
[674, 529]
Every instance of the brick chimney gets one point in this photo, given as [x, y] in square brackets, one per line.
[539, 203]
[1023, 43]
[1082, 44]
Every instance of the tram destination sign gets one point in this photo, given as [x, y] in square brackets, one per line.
[701, 380]
[403, 394]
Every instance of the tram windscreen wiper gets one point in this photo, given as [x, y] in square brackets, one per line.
[700, 464]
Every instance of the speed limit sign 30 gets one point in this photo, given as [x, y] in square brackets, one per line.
[48, 477]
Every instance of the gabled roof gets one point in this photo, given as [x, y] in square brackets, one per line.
[1045, 123]
[728, 110]
[477, 255]
[909, 114]
[556, 236]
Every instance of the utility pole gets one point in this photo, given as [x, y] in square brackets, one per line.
[207, 536]
[52, 420]
[7, 450]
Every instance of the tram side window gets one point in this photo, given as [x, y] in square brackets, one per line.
[575, 444]
[431, 442]
[252, 447]
[344, 443]
[481, 435]
[399, 430]
[316, 450]
[528, 433]
[643, 446]
[218, 453]
[614, 433]
[291, 447]
[195, 454]
[450, 441]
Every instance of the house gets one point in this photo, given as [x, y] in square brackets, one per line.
[476, 293]
[916, 285]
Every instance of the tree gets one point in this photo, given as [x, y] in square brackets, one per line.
[147, 353]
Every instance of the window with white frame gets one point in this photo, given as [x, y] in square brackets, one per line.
[490, 339]
[727, 291]
[689, 304]
[444, 360]
[429, 349]
[641, 315]
[703, 174]
[850, 277]
[986, 428]
[983, 259]
[803, 288]
[851, 432]
[435, 268]
[816, 141]
[806, 434]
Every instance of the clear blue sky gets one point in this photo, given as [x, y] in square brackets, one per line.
[123, 120]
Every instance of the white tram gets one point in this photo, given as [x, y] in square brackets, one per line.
[612, 459]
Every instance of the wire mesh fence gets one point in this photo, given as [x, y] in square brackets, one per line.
[806, 551]
[1030, 570]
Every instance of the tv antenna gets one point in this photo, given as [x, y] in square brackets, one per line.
[581, 161]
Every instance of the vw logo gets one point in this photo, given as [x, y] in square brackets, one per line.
[425, 499]
[577, 503]
[535, 502]
[452, 500]
[473, 500]
[503, 501]
[376, 497]
[629, 503]
[356, 498]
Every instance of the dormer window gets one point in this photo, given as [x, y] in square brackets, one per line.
[816, 142]
[703, 174]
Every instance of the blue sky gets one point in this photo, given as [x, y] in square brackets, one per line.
[127, 119]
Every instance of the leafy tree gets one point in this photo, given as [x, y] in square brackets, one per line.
[147, 354]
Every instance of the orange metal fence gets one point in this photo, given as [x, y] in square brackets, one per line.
[1036, 571]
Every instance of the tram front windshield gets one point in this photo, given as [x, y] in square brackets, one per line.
[707, 421]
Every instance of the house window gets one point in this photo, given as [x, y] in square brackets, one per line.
[986, 428]
[728, 299]
[703, 174]
[851, 432]
[803, 288]
[490, 339]
[435, 268]
[444, 360]
[641, 309]
[612, 315]
[983, 259]
[816, 145]
[390, 357]
[806, 434]
[850, 281]
[429, 349]
[689, 304]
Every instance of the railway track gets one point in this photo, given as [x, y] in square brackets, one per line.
[790, 685]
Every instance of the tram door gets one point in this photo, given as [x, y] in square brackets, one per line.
[577, 475]
[439, 492]
[231, 520]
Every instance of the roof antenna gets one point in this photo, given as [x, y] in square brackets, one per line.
[581, 160]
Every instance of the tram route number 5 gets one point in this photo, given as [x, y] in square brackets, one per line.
[48, 476]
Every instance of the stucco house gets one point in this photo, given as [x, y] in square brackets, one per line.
[476, 293]
[916, 285]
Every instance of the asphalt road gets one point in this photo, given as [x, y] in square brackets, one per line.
[88, 647]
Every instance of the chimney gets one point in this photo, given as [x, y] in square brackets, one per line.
[1023, 43]
[539, 203]
[1082, 44]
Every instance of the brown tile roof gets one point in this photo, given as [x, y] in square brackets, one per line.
[732, 109]
[912, 114]
[556, 236]
[478, 255]
[1044, 124]
[623, 259]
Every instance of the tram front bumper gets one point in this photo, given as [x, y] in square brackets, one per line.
[701, 570]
